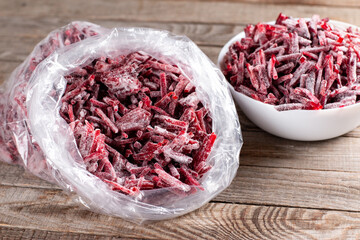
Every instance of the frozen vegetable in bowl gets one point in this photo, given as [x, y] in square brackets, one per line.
[296, 78]
[131, 112]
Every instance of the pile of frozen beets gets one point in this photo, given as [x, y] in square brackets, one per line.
[138, 124]
[296, 64]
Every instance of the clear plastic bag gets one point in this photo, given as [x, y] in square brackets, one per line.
[41, 136]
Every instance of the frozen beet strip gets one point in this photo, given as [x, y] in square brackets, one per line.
[172, 181]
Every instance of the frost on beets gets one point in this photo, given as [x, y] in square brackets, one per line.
[296, 64]
[138, 124]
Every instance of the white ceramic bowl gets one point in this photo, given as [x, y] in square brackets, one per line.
[303, 125]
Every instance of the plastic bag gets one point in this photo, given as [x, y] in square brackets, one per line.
[40, 135]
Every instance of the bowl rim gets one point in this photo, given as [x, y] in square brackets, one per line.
[237, 37]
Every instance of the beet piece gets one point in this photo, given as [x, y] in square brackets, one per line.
[286, 67]
[172, 181]
[164, 67]
[176, 156]
[170, 123]
[137, 119]
[106, 120]
[163, 132]
[165, 100]
[204, 152]
[117, 187]
[174, 171]
[272, 73]
[253, 79]
[163, 84]
[189, 177]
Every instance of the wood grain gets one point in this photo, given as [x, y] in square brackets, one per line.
[52, 211]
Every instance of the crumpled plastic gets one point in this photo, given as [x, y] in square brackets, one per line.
[34, 135]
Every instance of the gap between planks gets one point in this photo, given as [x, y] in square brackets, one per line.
[286, 206]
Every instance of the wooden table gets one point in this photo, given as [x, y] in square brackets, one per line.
[283, 190]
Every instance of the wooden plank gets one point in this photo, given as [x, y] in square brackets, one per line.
[172, 11]
[294, 187]
[15, 29]
[339, 154]
[256, 185]
[40, 209]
